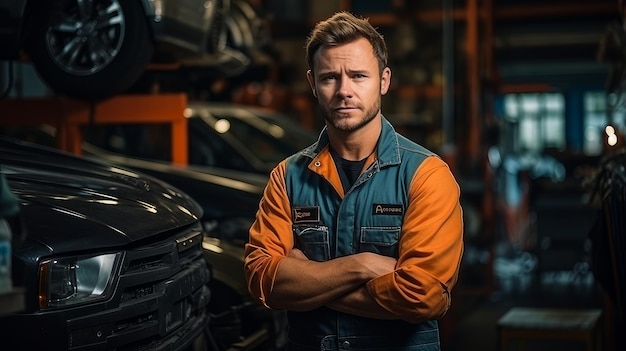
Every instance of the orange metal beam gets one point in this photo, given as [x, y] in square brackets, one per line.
[488, 40]
[68, 115]
[473, 80]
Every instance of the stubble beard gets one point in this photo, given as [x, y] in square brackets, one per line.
[341, 121]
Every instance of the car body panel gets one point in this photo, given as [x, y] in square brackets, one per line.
[221, 192]
[102, 196]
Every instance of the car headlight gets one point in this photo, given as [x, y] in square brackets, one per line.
[68, 281]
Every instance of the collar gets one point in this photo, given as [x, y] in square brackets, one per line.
[388, 149]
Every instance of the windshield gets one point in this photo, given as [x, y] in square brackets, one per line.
[270, 138]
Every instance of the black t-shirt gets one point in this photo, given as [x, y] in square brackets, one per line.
[348, 171]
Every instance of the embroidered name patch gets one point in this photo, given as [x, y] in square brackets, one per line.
[387, 209]
[309, 214]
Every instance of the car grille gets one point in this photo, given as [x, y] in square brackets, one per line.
[162, 296]
[146, 267]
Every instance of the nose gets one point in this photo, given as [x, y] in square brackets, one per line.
[345, 88]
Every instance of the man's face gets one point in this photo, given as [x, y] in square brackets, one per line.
[348, 84]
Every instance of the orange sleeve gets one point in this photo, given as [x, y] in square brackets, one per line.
[270, 237]
[431, 247]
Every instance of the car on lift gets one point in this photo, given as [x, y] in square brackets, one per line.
[93, 49]
[108, 258]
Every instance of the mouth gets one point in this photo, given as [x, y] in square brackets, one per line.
[345, 109]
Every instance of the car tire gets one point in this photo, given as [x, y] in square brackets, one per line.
[92, 56]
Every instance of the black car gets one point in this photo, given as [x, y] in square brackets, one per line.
[229, 201]
[108, 258]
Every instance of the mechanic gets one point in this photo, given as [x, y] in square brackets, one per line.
[359, 236]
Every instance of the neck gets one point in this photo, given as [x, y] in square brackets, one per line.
[358, 144]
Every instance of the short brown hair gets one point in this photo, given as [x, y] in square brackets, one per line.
[343, 27]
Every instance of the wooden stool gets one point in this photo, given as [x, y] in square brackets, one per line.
[525, 324]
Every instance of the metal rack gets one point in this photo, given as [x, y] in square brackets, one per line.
[70, 115]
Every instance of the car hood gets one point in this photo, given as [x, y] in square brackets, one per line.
[222, 193]
[65, 199]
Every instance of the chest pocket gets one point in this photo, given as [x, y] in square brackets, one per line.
[313, 240]
[380, 240]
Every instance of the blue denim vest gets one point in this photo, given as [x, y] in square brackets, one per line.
[368, 219]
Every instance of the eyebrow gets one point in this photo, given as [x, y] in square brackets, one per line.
[350, 72]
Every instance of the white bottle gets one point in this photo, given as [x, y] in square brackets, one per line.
[8, 207]
[6, 283]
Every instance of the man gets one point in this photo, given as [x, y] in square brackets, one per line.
[358, 236]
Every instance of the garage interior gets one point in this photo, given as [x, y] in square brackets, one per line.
[515, 95]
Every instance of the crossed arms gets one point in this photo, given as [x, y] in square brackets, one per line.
[302, 285]
[415, 287]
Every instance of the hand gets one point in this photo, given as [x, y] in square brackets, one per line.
[297, 253]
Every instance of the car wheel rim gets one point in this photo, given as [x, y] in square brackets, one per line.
[86, 35]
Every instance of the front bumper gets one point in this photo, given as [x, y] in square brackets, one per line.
[160, 303]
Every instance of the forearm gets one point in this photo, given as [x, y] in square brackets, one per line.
[360, 303]
[303, 285]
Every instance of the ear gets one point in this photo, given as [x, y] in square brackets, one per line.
[385, 81]
[311, 79]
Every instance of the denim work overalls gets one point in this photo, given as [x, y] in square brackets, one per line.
[368, 219]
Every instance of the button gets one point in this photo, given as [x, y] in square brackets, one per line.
[345, 345]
